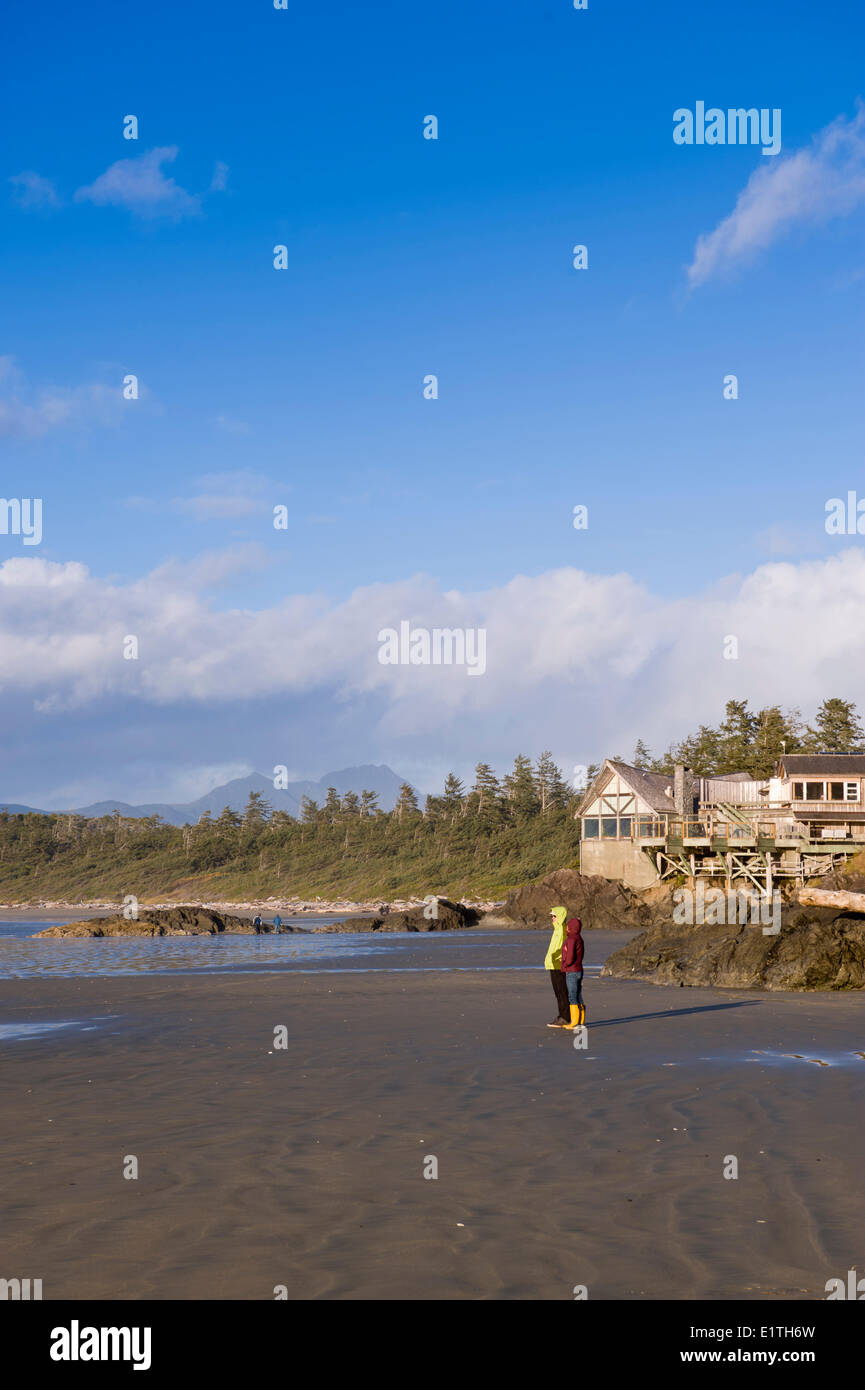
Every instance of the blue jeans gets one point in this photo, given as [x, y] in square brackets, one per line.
[574, 979]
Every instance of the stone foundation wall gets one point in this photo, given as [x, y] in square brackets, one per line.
[619, 859]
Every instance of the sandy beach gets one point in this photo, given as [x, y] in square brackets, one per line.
[304, 1167]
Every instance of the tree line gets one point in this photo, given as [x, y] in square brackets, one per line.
[471, 840]
[752, 741]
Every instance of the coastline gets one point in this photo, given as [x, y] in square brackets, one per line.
[294, 907]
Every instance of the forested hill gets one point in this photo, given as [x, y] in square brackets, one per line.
[475, 843]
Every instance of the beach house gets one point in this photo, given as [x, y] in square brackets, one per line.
[643, 827]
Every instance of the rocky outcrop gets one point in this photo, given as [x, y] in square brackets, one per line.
[600, 903]
[447, 916]
[173, 921]
[809, 953]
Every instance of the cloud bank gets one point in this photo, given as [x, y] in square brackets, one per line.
[574, 660]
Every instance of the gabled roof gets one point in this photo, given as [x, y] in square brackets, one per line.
[651, 786]
[823, 764]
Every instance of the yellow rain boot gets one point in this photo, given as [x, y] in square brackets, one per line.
[582, 1009]
[575, 1017]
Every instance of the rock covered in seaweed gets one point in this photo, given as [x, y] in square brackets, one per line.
[448, 916]
[167, 921]
[809, 953]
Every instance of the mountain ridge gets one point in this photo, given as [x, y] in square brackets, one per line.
[374, 777]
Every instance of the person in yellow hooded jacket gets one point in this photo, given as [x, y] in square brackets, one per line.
[553, 963]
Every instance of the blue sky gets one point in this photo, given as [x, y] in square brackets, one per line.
[304, 387]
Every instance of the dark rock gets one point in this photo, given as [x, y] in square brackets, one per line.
[165, 921]
[808, 953]
[449, 917]
[600, 903]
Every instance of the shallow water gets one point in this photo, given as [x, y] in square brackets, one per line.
[15, 1032]
[22, 957]
[24, 927]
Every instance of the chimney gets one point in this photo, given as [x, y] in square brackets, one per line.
[683, 790]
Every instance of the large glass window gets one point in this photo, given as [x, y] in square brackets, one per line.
[625, 828]
[590, 828]
[798, 791]
[836, 791]
[608, 828]
[813, 791]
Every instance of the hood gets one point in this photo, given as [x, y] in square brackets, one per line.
[553, 958]
[559, 918]
[575, 926]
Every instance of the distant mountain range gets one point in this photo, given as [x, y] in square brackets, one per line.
[380, 779]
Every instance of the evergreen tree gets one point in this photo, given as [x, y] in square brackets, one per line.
[454, 792]
[331, 804]
[309, 811]
[406, 801]
[550, 784]
[519, 788]
[486, 788]
[642, 757]
[737, 735]
[350, 804]
[591, 773]
[257, 811]
[702, 752]
[837, 729]
[368, 803]
[775, 734]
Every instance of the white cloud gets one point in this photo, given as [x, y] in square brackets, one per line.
[32, 191]
[573, 660]
[222, 496]
[29, 414]
[219, 182]
[812, 186]
[140, 185]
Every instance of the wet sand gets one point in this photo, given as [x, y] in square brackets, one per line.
[304, 1167]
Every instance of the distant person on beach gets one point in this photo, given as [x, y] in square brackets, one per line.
[277, 924]
[553, 963]
[257, 924]
[572, 968]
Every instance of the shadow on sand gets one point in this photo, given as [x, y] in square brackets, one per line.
[674, 1013]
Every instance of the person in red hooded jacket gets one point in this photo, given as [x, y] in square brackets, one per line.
[572, 965]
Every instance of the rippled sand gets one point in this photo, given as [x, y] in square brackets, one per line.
[304, 1167]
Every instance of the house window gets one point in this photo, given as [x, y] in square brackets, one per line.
[608, 828]
[814, 791]
[851, 791]
[798, 791]
[590, 828]
[836, 791]
[625, 832]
